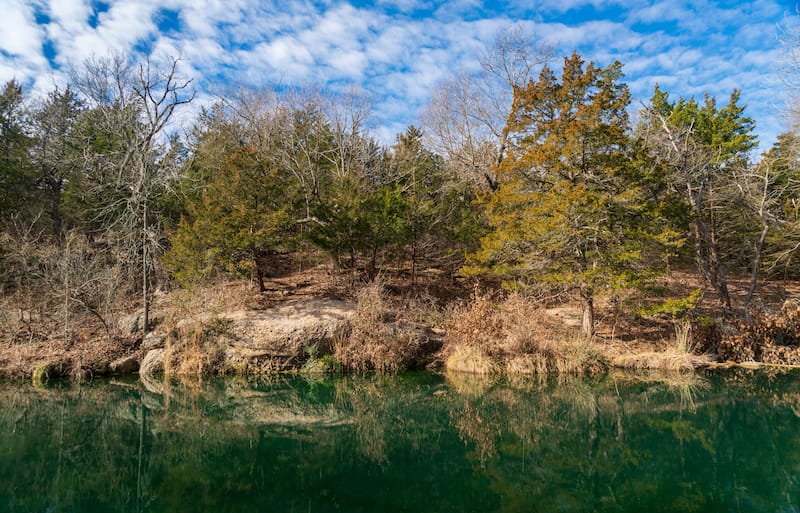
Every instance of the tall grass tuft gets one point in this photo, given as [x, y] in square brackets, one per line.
[196, 349]
[683, 337]
[678, 356]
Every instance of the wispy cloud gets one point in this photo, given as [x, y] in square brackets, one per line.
[398, 50]
[22, 36]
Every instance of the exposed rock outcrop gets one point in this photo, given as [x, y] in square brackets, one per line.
[272, 340]
[125, 365]
[153, 362]
[153, 341]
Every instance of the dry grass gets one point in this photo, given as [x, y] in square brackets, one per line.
[514, 336]
[683, 337]
[202, 301]
[669, 360]
[679, 356]
[195, 350]
[375, 342]
[470, 359]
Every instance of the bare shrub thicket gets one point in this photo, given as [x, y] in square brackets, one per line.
[516, 336]
[52, 290]
[376, 342]
[769, 338]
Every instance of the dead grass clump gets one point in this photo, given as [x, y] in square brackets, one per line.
[376, 342]
[668, 360]
[515, 336]
[196, 349]
[470, 359]
[479, 323]
[680, 356]
[526, 364]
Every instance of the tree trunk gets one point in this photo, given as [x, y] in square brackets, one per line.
[372, 266]
[587, 319]
[705, 248]
[720, 282]
[708, 263]
[414, 260]
[718, 279]
[756, 264]
[145, 258]
[55, 210]
[256, 255]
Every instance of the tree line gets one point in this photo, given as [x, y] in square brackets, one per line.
[530, 171]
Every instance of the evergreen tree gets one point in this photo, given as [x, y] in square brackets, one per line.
[238, 212]
[569, 209]
[704, 150]
[55, 152]
[360, 210]
[419, 174]
[16, 176]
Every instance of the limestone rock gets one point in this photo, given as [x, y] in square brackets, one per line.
[131, 324]
[279, 338]
[153, 340]
[125, 365]
[153, 362]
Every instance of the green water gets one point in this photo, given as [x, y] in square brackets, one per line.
[418, 443]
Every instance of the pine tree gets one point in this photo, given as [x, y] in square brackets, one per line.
[55, 153]
[419, 174]
[242, 214]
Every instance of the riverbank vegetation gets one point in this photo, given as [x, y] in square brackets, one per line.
[534, 227]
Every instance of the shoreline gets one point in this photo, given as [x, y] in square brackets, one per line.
[305, 325]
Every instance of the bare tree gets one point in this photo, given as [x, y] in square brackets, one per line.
[133, 107]
[790, 72]
[689, 161]
[466, 116]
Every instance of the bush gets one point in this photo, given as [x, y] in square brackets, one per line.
[375, 341]
[516, 337]
[768, 338]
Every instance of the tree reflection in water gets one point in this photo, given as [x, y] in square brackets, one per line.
[418, 442]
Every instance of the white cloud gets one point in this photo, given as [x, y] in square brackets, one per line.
[688, 46]
[67, 16]
[203, 18]
[22, 37]
[659, 12]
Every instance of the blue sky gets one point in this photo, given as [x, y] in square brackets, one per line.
[396, 51]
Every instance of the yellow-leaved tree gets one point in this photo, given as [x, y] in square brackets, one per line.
[569, 209]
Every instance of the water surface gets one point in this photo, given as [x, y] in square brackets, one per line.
[419, 442]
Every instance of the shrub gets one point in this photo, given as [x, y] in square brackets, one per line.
[514, 336]
[375, 341]
[770, 338]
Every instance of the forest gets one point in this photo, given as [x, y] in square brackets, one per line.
[536, 181]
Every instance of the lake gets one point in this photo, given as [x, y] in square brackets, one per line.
[420, 442]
